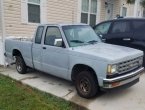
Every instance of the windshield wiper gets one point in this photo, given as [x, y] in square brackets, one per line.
[77, 41]
[92, 41]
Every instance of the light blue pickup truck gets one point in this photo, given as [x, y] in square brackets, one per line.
[75, 53]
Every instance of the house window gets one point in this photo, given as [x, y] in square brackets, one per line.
[124, 11]
[89, 12]
[144, 13]
[34, 11]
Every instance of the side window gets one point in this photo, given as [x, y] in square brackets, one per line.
[39, 33]
[103, 28]
[119, 27]
[53, 37]
[139, 26]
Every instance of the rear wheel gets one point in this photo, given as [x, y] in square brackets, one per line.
[86, 84]
[20, 65]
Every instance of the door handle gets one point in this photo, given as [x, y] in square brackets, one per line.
[126, 39]
[44, 47]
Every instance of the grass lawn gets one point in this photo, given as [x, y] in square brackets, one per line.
[15, 96]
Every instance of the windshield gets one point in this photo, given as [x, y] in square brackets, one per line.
[79, 35]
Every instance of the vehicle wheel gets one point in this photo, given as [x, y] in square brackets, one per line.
[86, 85]
[20, 65]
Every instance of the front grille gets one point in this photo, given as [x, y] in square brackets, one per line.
[129, 65]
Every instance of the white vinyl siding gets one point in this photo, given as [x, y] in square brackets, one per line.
[55, 11]
[33, 11]
[24, 13]
[62, 11]
[13, 20]
[43, 11]
[52, 11]
[129, 7]
[116, 9]
[0, 21]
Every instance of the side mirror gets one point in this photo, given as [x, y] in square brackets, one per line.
[100, 35]
[59, 43]
[103, 38]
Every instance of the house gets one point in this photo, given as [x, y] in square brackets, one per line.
[132, 10]
[20, 17]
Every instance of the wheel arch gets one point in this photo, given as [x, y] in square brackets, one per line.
[82, 67]
[16, 52]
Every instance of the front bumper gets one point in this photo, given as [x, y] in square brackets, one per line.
[122, 80]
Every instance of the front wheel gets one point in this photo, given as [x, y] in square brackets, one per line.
[86, 84]
[20, 65]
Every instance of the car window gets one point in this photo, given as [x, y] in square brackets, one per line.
[139, 25]
[103, 28]
[80, 35]
[53, 37]
[39, 33]
[121, 26]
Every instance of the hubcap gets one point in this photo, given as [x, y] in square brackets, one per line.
[84, 85]
[18, 66]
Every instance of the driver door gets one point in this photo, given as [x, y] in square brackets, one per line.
[54, 54]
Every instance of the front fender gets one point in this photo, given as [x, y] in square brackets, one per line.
[99, 67]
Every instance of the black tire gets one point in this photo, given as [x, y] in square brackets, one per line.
[86, 85]
[20, 65]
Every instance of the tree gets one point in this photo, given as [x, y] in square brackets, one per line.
[143, 3]
[130, 1]
[133, 1]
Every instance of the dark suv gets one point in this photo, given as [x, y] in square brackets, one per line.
[124, 31]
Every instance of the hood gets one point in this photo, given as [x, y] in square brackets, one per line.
[109, 52]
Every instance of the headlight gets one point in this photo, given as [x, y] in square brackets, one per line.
[112, 69]
[140, 61]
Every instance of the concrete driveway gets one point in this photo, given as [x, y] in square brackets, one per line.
[129, 99]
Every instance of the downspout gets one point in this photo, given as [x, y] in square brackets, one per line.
[3, 31]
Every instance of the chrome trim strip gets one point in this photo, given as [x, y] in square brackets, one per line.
[124, 77]
[123, 82]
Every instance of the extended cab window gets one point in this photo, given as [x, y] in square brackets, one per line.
[39, 33]
[103, 28]
[121, 26]
[53, 37]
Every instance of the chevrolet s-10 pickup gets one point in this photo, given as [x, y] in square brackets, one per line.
[74, 52]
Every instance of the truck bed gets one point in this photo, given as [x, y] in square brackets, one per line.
[21, 39]
[21, 44]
